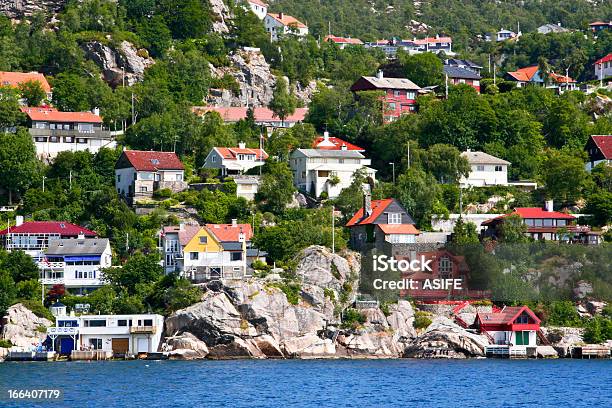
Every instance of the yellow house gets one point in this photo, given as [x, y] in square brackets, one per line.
[202, 242]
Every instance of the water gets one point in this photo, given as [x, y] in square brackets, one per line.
[316, 383]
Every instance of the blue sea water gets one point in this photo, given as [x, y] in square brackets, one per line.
[317, 383]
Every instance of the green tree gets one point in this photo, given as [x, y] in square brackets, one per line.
[10, 115]
[276, 188]
[283, 102]
[139, 269]
[32, 92]
[464, 233]
[599, 205]
[446, 163]
[423, 69]
[19, 167]
[512, 230]
[419, 193]
[187, 18]
[565, 176]
[7, 291]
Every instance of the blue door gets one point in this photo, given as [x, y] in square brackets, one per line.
[66, 345]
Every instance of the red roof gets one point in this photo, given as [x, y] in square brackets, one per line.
[231, 153]
[604, 59]
[399, 229]
[561, 79]
[378, 206]
[600, 23]
[152, 161]
[15, 78]
[49, 114]
[63, 228]
[506, 316]
[604, 144]
[338, 144]
[430, 40]
[533, 212]
[229, 232]
[287, 20]
[524, 74]
[184, 235]
[236, 113]
[258, 2]
[342, 40]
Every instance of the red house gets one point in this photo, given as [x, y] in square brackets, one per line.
[512, 326]
[400, 94]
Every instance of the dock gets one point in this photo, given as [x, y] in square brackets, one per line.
[30, 356]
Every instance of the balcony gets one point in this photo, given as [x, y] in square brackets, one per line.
[50, 265]
[143, 330]
[62, 331]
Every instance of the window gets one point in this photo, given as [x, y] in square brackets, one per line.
[538, 222]
[236, 256]
[411, 95]
[143, 189]
[498, 168]
[548, 222]
[213, 159]
[95, 323]
[394, 218]
[118, 178]
[179, 177]
[522, 319]
[194, 256]
[204, 240]
[561, 223]
[529, 222]
[391, 106]
[82, 141]
[397, 93]
[480, 167]
[445, 267]
[95, 344]
[41, 139]
[122, 323]
[54, 139]
[68, 139]
[148, 322]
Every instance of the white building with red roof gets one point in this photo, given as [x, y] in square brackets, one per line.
[263, 116]
[213, 251]
[259, 7]
[280, 24]
[235, 160]
[14, 79]
[342, 42]
[599, 149]
[603, 67]
[515, 327]
[54, 131]
[139, 173]
[327, 142]
[33, 237]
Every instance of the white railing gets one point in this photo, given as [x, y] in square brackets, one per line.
[51, 265]
[52, 281]
[57, 331]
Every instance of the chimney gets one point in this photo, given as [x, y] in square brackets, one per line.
[367, 201]
[241, 145]
[343, 147]
[326, 135]
[18, 220]
[96, 111]
[280, 15]
[182, 226]
[241, 236]
[548, 206]
[380, 74]
[234, 222]
[81, 235]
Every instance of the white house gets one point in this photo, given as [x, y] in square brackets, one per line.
[235, 160]
[259, 7]
[599, 150]
[34, 237]
[280, 24]
[247, 186]
[503, 35]
[119, 334]
[213, 251]
[76, 263]
[603, 67]
[514, 327]
[54, 131]
[486, 170]
[139, 173]
[318, 171]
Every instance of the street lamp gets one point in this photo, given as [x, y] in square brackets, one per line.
[393, 164]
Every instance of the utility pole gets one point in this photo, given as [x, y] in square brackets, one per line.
[408, 162]
[393, 166]
[127, 241]
[333, 230]
[133, 113]
[70, 179]
[44, 177]
[494, 74]
[446, 85]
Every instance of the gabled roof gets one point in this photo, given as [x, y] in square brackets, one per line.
[185, 234]
[399, 229]
[13, 79]
[231, 153]
[455, 62]
[604, 59]
[236, 113]
[258, 2]
[337, 144]
[149, 160]
[482, 158]
[532, 212]
[604, 144]
[561, 79]
[87, 246]
[229, 232]
[524, 74]
[63, 228]
[49, 114]
[343, 154]
[458, 72]
[342, 40]
[507, 316]
[378, 207]
[287, 20]
[390, 83]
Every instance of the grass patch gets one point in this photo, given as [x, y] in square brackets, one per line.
[422, 320]
[352, 319]
[5, 343]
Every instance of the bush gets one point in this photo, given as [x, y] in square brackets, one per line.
[482, 302]
[37, 308]
[352, 318]
[598, 330]
[421, 320]
[5, 343]
[260, 265]
[291, 290]
[162, 193]
[330, 294]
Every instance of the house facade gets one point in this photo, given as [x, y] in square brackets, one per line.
[503, 35]
[318, 171]
[263, 116]
[380, 221]
[280, 24]
[259, 7]
[76, 263]
[512, 326]
[485, 170]
[463, 72]
[54, 131]
[399, 98]
[545, 224]
[436, 44]
[139, 173]
[34, 237]
[599, 149]
[603, 67]
[116, 334]
[598, 26]
[209, 252]
[14, 79]
[235, 160]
